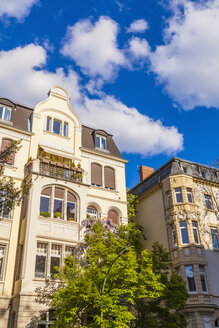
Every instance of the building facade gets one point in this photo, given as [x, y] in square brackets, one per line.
[179, 207]
[74, 171]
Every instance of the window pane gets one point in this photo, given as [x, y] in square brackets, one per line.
[184, 232]
[71, 210]
[98, 141]
[56, 127]
[190, 278]
[44, 204]
[55, 262]
[92, 212]
[65, 130]
[208, 202]
[203, 278]
[1, 112]
[195, 232]
[48, 124]
[189, 195]
[2, 254]
[40, 267]
[173, 235]
[103, 143]
[214, 235]
[57, 206]
[178, 193]
[7, 114]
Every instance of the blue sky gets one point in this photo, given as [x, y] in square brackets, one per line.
[145, 71]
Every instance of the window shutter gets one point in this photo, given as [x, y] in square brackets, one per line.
[5, 143]
[109, 177]
[96, 174]
[112, 215]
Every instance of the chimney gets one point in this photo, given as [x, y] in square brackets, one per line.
[145, 171]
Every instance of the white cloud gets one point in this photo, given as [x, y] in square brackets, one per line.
[134, 132]
[139, 48]
[94, 47]
[188, 62]
[138, 26]
[16, 8]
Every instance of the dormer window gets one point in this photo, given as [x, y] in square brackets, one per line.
[56, 126]
[5, 113]
[101, 142]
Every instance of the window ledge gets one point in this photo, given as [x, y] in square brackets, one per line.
[55, 134]
[57, 220]
[105, 189]
[102, 149]
[6, 122]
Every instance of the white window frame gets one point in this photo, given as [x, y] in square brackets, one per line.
[3, 257]
[208, 201]
[204, 275]
[194, 291]
[62, 124]
[55, 255]
[93, 213]
[181, 229]
[197, 232]
[189, 194]
[101, 145]
[178, 191]
[45, 254]
[215, 234]
[3, 113]
[173, 234]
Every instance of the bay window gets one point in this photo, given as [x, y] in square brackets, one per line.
[203, 278]
[189, 195]
[195, 232]
[41, 260]
[173, 235]
[55, 259]
[178, 195]
[2, 260]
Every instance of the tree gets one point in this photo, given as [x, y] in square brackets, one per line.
[9, 194]
[112, 282]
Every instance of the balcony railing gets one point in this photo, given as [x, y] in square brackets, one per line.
[54, 170]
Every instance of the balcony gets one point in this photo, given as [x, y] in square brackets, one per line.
[54, 169]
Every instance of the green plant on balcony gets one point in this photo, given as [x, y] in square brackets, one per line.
[73, 164]
[78, 175]
[45, 214]
[60, 172]
[30, 159]
[58, 215]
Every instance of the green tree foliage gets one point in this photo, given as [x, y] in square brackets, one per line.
[111, 282]
[9, 194]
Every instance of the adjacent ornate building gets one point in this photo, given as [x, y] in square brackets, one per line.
[179, 207]
[75, 170]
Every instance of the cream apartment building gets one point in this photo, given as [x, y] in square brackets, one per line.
[75, 170]
[179, 206]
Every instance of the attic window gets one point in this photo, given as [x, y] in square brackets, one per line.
[5, 113]
[100, 142]
[57, 126]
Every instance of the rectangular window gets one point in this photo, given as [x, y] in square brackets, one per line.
[100, 142]
[177, 269]
[55, 259]
[48, 124]
[184, 232]
[44, 203]
[41, 260]
[56, 127]
[208, 202]
[203, 278]
[65, 129]
[189, 195]
[57, 208]
[195, 232]
[69, 251]
[173, 235]
[71, 208]
[190, 278]
[2, 259]
[178, 194]
[169, 198]
[214, 236]
[5, 113]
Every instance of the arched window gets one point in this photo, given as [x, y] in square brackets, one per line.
[92, 212]
[109, 177]
[113, 215]
[4, 145]
[59, 203]
[96, 174]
